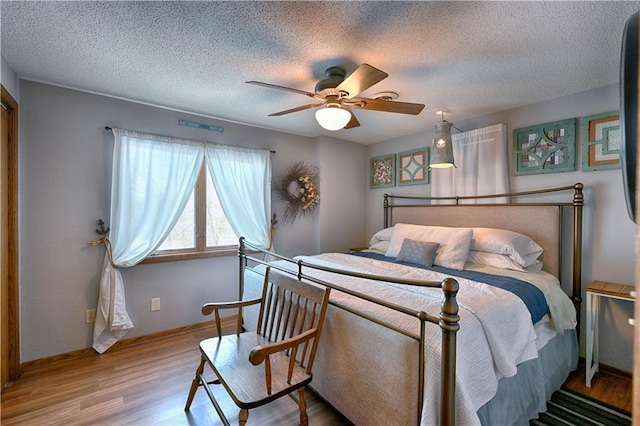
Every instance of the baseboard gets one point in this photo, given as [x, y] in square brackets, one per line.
[126, 343]
[607, 368]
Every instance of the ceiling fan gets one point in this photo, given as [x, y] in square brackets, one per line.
[337, 96]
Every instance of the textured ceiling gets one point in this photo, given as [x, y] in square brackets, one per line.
[469, 58]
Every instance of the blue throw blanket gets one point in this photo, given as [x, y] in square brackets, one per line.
[531, 295]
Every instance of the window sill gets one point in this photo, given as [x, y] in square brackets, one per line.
[189, 255]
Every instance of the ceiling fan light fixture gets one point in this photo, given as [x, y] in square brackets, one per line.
[333, 117]
[337, 97]
[442, 148]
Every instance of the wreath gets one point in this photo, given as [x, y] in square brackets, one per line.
[298, 187]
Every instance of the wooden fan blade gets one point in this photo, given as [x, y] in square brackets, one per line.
[300, 108]
[386, 106]
[361, 79]
[288, 89]
[353, 122]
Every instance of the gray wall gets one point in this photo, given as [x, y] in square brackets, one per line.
[65, 158]
[338, 221]
[65, 163]
[609, 247]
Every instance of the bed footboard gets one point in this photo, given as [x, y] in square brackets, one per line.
[447, 319]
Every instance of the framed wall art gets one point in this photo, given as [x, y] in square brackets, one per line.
[601, 141]
[545, 148]
[382, 171]
[413, 167]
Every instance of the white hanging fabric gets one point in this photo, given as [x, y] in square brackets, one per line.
[482, 165]
[153, 177]
[242, 178]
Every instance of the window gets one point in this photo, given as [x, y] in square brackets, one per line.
[153, 179]
[202, 212]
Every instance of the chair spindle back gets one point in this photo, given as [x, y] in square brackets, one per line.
[291, 307]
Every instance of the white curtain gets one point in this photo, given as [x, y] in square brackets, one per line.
[482, 165]
[153, 177]
[242, 178]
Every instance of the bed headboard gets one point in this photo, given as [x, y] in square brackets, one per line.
[542, 221]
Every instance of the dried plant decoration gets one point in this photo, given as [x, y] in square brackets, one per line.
[298, 186]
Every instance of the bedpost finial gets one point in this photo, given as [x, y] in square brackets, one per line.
[578, 196]
[449, 317]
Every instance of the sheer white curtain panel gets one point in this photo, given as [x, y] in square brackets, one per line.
[152, 180]
[482, 164]
[242, 178]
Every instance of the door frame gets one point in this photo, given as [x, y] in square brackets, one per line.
[13, 335]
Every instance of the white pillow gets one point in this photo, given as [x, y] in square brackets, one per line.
[520, 248]
[454, 242]
[382, 235]
[380, 247]
[501, 261]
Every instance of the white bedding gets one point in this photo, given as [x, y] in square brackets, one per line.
[562, 311]
[491, 342]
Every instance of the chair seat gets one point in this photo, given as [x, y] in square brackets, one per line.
[291, 315]
[228, 356]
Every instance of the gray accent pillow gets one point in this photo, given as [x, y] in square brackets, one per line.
[418, 252]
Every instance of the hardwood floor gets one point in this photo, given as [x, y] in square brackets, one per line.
[147, 384]
[608, 385]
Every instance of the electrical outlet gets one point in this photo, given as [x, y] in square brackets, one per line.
[155, 304]
[90, 316]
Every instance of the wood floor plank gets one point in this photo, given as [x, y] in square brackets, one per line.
[143, 384]
[608, 385]
[148, 384]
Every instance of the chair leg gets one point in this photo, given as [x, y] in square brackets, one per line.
[195, 383]
[302, 406]
[243, 416]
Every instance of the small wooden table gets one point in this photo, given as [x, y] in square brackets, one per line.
[357, 249]
[595, 291]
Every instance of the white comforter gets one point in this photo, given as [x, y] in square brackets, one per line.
[491, 342]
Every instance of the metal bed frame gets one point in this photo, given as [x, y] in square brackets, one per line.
[447, 319]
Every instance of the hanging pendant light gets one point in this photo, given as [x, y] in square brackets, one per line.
[442, 149]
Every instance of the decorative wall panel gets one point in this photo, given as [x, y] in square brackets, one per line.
[545, 148]
[382, 171]
[601, 141]
[413, 167]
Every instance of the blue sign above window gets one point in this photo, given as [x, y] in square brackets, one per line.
[200, 126]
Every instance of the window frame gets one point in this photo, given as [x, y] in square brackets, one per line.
[201, 250]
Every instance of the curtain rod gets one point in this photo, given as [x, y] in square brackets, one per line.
[271, 150]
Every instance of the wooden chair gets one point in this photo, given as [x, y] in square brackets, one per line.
[257, 368]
